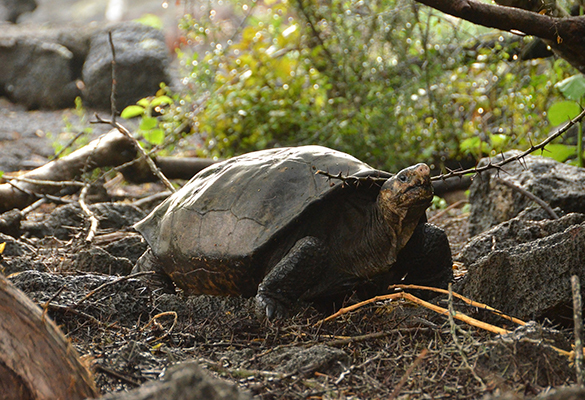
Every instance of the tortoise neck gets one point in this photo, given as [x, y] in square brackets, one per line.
[399, 219]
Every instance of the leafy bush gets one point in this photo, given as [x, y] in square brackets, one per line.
[389, 81]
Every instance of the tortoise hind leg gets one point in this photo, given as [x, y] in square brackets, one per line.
[159, 280]
[294, 274]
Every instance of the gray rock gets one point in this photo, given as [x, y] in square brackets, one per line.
[492, 202]
[522, 229]
[142, 63]
[528, 355]
[10, 10]
[36, 73]
[184, 381]
[42, 67]
[531, 279]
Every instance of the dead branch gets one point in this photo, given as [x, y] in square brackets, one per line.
[466, 300]
[143, 154]
[565, 35]
[531, 196]
[578, 320]
[409, 297]
[110, 149]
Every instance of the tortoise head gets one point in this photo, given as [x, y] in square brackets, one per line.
[404, 198]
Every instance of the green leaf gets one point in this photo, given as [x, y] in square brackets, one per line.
[573, 88]
[132, 111]
[144, 102]
[154, 136]
[498, 141]
[157, 101]
[563, 111]
[148, 123]
[558, 152]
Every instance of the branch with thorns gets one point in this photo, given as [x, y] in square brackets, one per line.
[475, 170]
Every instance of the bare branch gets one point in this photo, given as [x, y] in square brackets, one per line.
[155, 170]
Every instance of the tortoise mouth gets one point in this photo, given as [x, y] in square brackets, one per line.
[419, 194]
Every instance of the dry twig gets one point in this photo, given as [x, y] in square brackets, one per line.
[531, 196]
[578, 320]
[155, 170]
[472, 303]
[94, 222]
[408, 372]
[426, 304]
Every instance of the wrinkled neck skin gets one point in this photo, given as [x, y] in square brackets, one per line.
[400, 218]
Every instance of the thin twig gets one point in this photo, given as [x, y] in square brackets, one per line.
[94, 222]
[531, 196]
[67, 146]
[356, 339]
[446, 210]
[33, 206]
[111, 283]
[578, 320]
[151, 198]
[43, 182]
[160, 315]
[472, 303]
[155, 170]
[113, 91]
[408, 372]
[413, 299]
[117, 375]
[459, 347]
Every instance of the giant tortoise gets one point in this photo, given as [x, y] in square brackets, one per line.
[269, 224]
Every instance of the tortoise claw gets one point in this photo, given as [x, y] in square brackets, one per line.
[269, 307]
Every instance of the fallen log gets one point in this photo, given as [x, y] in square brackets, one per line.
[36, 360]
[111, 149]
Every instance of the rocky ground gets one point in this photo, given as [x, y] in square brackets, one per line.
[131, 333]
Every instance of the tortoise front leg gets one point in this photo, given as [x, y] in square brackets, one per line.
[299, 270]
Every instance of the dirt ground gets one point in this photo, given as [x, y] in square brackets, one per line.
[130, 332]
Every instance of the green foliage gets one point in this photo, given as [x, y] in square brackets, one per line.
[561, 112]
[573, 88]
[145, 108]
[389, 81]
[438, 203]
[74, 135]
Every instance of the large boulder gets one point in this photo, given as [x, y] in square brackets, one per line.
[493, 202]
[42, 67]
[36, 71]
[521, 260]
[530, 280]
[142, 63]
[519, 230]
